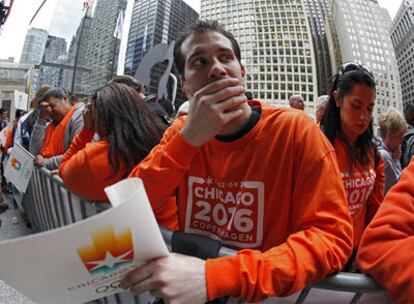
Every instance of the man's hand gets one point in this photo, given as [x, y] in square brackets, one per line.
[39, 161]
[176, 279]
[211, 108]
[45, 110]
[54, 172]
[88, 120]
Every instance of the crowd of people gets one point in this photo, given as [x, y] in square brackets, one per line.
[300, 199]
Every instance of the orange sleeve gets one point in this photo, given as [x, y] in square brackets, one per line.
[79, 142]
[74, 168]
[386, 247]
[321, 244]
[377, 195]
[9, 139]
[165, 167]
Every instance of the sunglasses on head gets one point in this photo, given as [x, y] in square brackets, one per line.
[352, 66]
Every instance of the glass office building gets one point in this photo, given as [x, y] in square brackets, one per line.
[402, 36]
[363, 31]
[276, 45]
[154, 22]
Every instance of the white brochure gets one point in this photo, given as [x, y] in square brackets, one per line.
[86, 260]
[19, 167]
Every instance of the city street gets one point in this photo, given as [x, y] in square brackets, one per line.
[10, 230]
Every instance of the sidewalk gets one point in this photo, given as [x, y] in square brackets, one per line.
[8, 230]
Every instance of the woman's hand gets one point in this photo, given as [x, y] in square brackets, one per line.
[88, 117]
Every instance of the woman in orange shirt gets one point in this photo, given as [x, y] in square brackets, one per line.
[347, 124]
[127, 129]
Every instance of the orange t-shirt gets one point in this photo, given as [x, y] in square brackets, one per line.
[276, 189]
[386, 248]
[54, 136]
[86, 171]
[364, 188]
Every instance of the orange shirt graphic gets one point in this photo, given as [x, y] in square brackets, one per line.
[276, 189]
[387, 245]
[364, 188]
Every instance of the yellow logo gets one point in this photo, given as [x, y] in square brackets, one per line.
[108, 251]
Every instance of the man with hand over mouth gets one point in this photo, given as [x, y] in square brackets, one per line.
[257, 178]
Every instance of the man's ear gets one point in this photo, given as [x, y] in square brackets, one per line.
[243, 71]
[184, 87]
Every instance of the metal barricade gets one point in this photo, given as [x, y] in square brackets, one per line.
[49, 205]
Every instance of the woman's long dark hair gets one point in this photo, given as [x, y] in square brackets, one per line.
[331, 121]
[126, 122]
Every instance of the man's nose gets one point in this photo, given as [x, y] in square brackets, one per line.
[217, 69]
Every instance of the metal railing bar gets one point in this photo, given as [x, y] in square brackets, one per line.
[55, 203]
[49, 215]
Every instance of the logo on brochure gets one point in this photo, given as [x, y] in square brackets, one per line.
[109, 251]
[16, 164]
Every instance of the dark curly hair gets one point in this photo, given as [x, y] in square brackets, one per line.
[126, 122]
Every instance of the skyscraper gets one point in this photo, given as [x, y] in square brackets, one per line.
[55, 54]
[402, 36]
[34, 46]
[66, 20]
[103, 48]
[81, 52]
[154, 22]
[317, 11]
[78, 52]
[363, 30]
[276, 46]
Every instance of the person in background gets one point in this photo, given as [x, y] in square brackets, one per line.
[26, 122]
[386, 247]
[50, 140]
[321, 107]
[11, 139]
[113, 112]
[131, 82]
[347, 124]
[392, 129]
[6, 187]
[238, 169]
[4, 118]
[297, 102]
[151, 100]
[168, 107]
[12, 132]
[407, 147]
[4, 122]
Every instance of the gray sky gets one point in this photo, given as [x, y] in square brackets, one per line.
[14, 31]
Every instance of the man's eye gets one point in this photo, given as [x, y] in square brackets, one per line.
[226, 57]
[198, 62]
